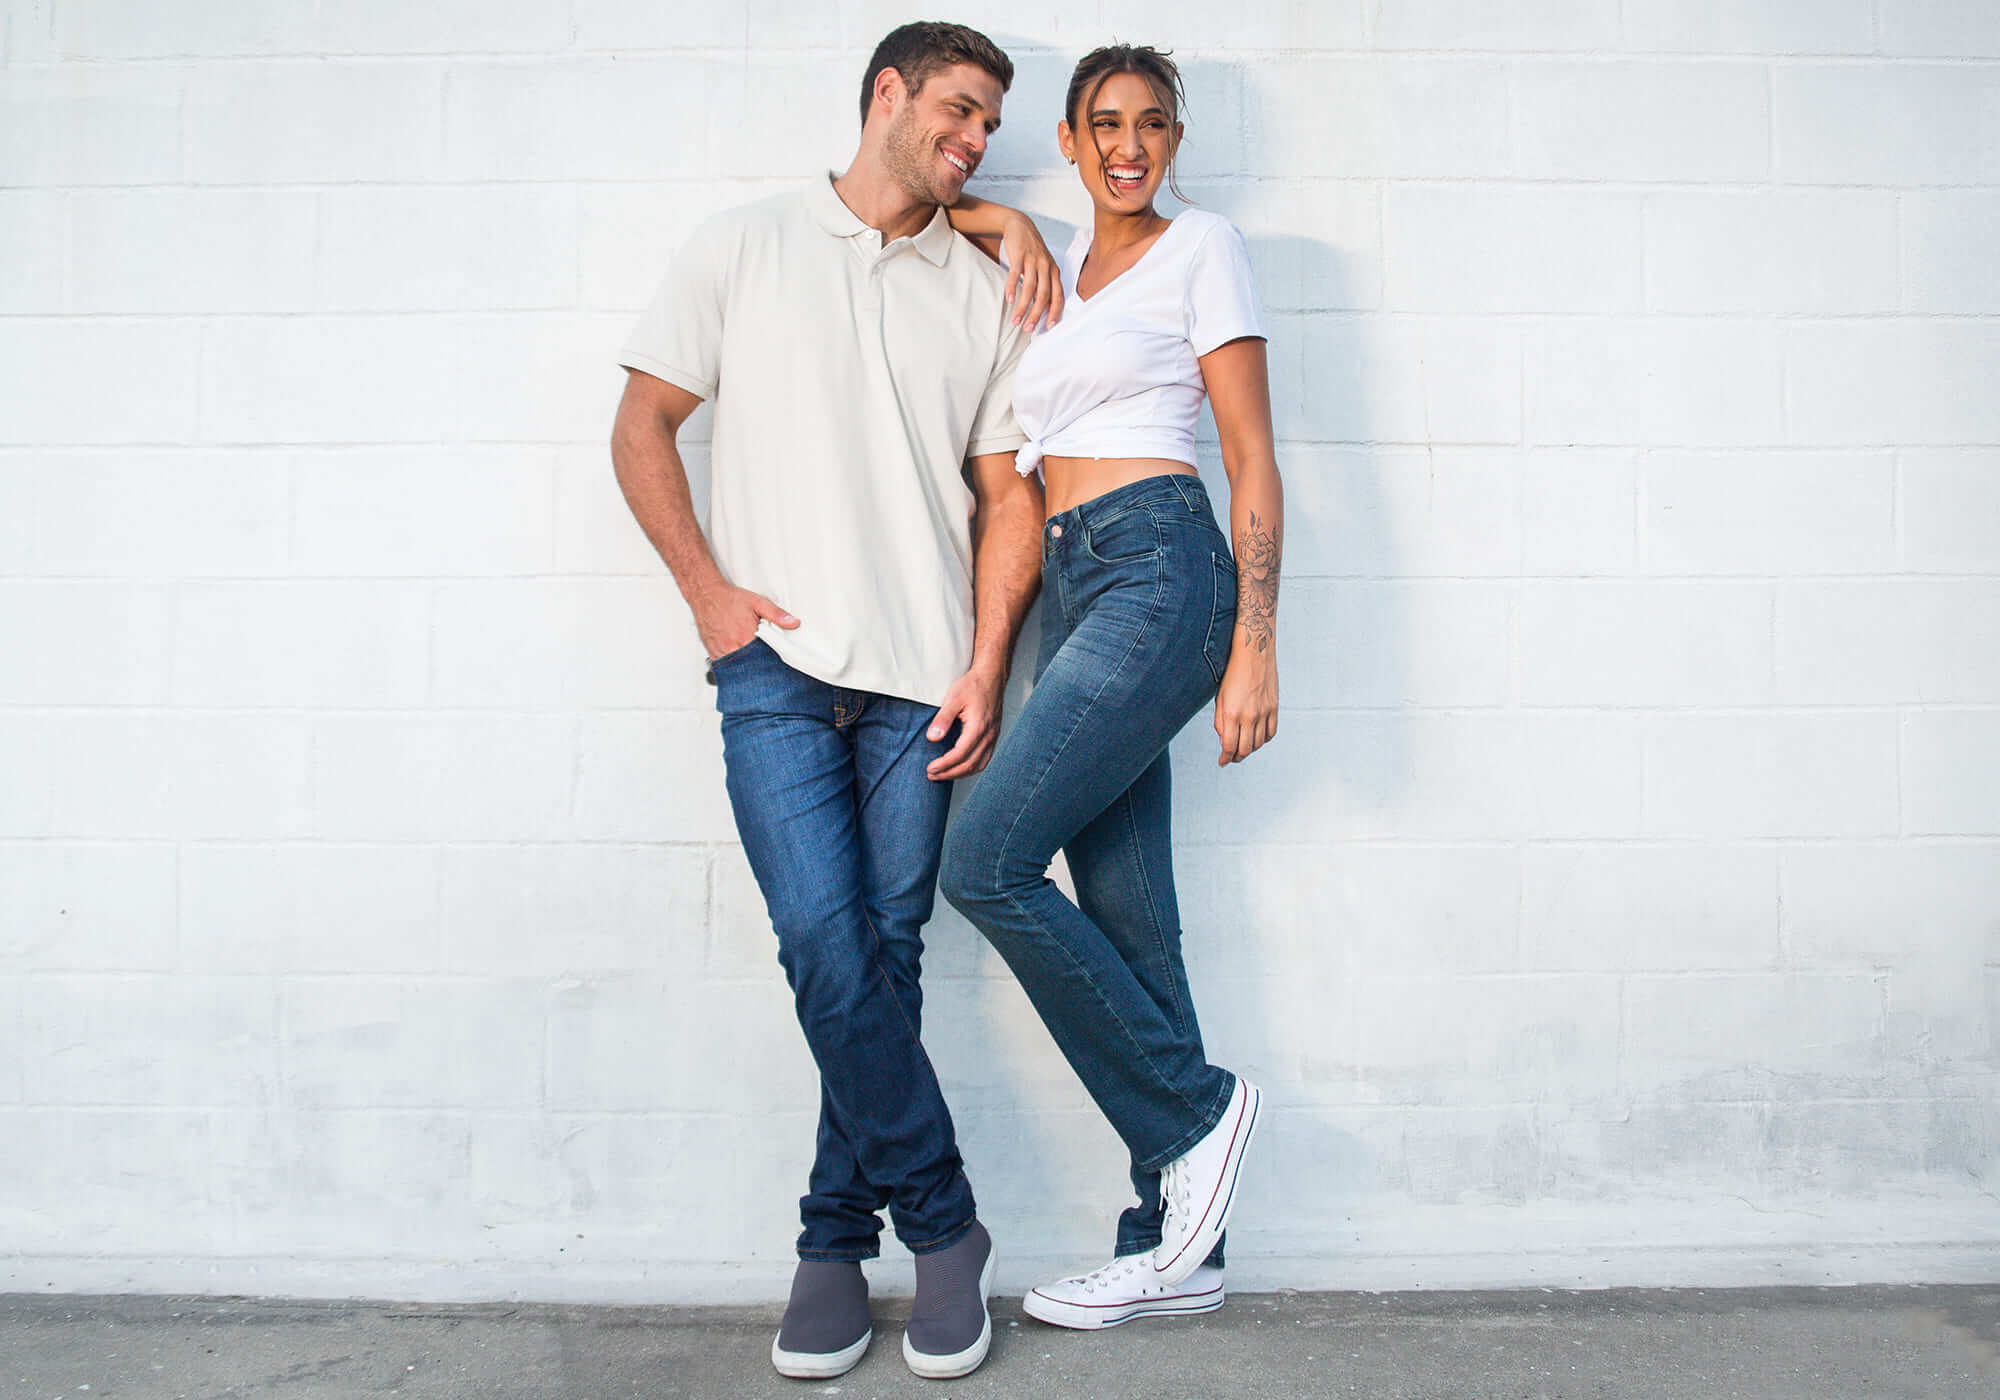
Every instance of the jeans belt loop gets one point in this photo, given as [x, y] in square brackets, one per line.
[1181, 480]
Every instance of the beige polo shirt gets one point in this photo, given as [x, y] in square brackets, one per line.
[851, 382]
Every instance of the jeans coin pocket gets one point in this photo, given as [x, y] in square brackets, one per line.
[1129, 535]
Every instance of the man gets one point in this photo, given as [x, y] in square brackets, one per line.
[860, 360]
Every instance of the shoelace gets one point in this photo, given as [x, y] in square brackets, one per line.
[1106, 1274]
[1173, 1189]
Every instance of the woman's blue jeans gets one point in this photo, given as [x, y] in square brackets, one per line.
[1138, 614]
[842, 828]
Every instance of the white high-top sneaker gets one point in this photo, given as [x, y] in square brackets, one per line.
[1200, 1187]
[1120, 1291]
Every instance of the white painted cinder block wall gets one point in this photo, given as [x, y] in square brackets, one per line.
[1620, 903]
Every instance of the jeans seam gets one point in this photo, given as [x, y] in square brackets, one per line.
[1153, 911]
[1115, 1018]
[1228, 637]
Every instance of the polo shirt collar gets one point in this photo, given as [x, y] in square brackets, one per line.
[830, 213]
[936, 239]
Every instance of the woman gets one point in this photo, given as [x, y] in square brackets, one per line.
[1145, 618]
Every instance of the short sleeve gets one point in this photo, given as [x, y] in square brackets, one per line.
[1221, 298]
[993, 426]
[678, 337]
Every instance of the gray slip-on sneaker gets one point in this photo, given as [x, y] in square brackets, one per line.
[826, 1327]
[950, 1329]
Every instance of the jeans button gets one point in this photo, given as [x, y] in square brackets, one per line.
[1055, 532]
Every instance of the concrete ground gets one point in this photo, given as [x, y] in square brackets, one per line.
[1664, 1344]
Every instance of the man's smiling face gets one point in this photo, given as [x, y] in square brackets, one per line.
[938, 135]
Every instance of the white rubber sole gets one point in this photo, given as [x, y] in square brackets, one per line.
[1215, 1219]
[819, 1365]
[959, 1363]
[1091, 1317]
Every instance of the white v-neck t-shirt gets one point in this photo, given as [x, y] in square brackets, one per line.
[851, 382]
[1120, 374]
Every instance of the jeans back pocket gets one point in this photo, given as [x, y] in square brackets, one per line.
[1221, 617]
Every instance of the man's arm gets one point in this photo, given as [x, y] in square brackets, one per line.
[1006, 574]
[647, 458]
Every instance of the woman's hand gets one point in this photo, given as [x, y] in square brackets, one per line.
[1246, 705]
[1033, 280]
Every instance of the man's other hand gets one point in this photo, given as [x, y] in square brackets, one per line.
[973, 701]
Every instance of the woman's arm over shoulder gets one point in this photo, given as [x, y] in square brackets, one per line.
[1010, 238]
[980, 218]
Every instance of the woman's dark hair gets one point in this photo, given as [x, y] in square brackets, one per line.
[1099, 65]
[919, 51]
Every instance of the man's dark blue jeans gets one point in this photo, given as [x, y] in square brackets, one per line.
[843, 831]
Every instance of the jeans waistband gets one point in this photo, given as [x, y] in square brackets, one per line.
[1183, 490]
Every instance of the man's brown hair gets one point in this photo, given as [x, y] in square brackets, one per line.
[920, 51]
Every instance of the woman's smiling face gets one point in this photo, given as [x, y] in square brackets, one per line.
[1123, 144]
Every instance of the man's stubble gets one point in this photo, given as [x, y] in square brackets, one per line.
[910, 160]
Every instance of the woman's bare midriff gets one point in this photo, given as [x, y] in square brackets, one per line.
[1067, 482]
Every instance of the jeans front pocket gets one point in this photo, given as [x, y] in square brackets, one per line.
[1221, 617]
[1126, 536]
[727, 657]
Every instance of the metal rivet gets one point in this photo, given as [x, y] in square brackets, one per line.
[1055, 531]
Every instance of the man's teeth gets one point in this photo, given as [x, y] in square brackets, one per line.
[957, 162]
